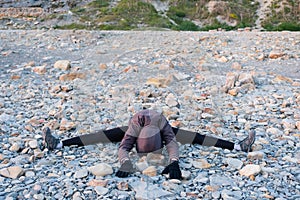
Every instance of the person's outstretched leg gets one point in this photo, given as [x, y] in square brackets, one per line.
[190, 137]
[101, 136]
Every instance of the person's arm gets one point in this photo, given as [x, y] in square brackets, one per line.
[169, 138]
[125, 147]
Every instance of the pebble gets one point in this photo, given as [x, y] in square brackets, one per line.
[234, 163]
[141, 165]
[150, 171]
[250, 169]
[76, 196]
[236, 66]
[218, 180]
[215, 195]
[33, 144]
[29, 174]
[172, 185]
[155, 159]
[96, 182]
[81, 173]
[38, 196]
[37, 187]
[101, 190]
[12, 172]
[66, 125]
[256, 155]
[231, 195]
[15, 147]
[144, 191]
[274, 131]
[171, 100]
[186, 175]
[274, 54]
[62, 64]
[124, 186]
[39, 69]
[201, 164]
[79, 81]
[101, 169]
[72, 76]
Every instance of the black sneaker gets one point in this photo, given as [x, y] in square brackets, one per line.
[246, 143]
[49, 140]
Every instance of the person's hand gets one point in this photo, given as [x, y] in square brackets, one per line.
[125, 169]
[173, 170]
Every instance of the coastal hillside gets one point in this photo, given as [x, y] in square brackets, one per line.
[183, 15]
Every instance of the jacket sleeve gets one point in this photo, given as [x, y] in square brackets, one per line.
[169, 138]
[128, 142]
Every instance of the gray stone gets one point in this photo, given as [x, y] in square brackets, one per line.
[274, 131]
[234, 163]
[181, 76]
[231, 195]
[256, 155]
[171, 100]
[15, 147]
[62, 64]
[216, 195]
[217, 180]
[101, 169]
[81, 173]
[142, 164]
[6, 118]
[12, 172]
[38, 196]
[101, 190]
[144, 191]
[29, 174]
[33, 144]
[250, 169]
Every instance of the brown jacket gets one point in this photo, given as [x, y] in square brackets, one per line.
[148, 131]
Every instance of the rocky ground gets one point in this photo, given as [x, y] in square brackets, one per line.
[217, 83]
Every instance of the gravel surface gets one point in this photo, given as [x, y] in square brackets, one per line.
[217, 83]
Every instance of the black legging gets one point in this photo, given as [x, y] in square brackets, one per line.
[117, 134]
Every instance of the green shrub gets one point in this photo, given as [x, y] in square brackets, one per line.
[99, 3]
[289, 26]
[161, 22]
[72, 26]
[284, 26]
[136, 12]
[188, 26]
[78, 10]
[217, 25]
[174, 11]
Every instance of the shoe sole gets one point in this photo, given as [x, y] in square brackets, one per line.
[252, 142]
[46, 132]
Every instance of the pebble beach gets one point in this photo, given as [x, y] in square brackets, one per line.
[216, 83]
